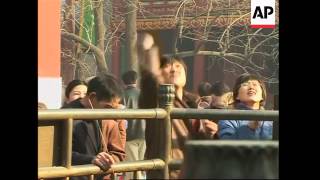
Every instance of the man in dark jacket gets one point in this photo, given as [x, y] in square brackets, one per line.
[90, 143]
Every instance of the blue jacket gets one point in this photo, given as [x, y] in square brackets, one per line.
[235, 129]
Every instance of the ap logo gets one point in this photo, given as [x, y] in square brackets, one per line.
[263, 14]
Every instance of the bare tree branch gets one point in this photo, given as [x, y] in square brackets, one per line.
[102, 67]
[208, 53]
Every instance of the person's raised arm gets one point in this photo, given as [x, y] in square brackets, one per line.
[149, 66]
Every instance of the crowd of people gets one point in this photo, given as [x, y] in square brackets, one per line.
[105, 142]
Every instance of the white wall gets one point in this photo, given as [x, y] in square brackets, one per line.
[49, 91]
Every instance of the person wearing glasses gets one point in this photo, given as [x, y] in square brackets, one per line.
[249, 93]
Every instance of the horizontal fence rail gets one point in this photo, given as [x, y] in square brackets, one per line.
[157, 113]
[242, 143]
[221, 114]
[81, 170]
[87, 114]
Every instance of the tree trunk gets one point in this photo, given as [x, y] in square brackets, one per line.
[131, 34]
[68, 47]
[100, 28]
[108, 35]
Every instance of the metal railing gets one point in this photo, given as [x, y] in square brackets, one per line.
[82, 170]
[165, 112]
[89, 114]
[156, 113]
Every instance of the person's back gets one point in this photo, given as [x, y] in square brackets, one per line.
[131, 96]
[135, 143]
[135, 128]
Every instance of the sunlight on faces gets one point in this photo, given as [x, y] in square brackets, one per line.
[78, 92]
[250, 92]
[174, 73]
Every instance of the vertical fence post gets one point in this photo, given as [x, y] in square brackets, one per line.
[67, 143]
[275, 130]
[166, 96]
[135, 175]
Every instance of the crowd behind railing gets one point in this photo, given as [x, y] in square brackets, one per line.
[110, 142]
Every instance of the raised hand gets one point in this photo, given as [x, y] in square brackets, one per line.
[148, 55]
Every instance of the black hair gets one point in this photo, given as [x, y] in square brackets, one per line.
[244, 78]
[204, 89]
[164, 60]
[106, 87]
[72, 85]
[219, 88]
[130, 77]
[42, 105]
